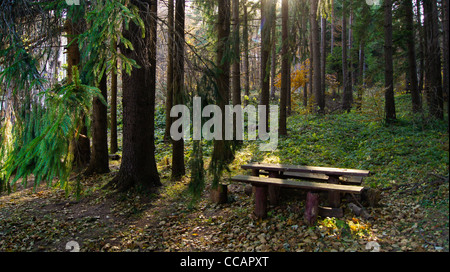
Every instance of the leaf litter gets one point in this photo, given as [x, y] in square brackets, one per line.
[102, 220]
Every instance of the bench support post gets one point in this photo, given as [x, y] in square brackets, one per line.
[260, 201]
[274, 190]
[334, 198]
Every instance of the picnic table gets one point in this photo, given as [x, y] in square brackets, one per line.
[312, 178]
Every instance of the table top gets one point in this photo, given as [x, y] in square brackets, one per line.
[331, 171]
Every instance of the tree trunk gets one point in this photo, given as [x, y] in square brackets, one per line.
[266, 22]
[81, 147]
[169, 75]
[113, 115]
[178, 165]
[415, 95]
[323, 60]
[246, 56]
[317, 89]
[99, 162]
[433, 83]
[390, 114]
[282, 130]
[445, 41]
[138, 167]
[222, 153]
[237, 54]
[273, 57]
[347, 93]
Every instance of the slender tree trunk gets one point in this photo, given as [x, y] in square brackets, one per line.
[445, 23]
[273, 57]
[99, 162]
[347, 93]
[266, 22]
[323, 60]
[421, 47]
[81, 147]
[169, 75]
[138, 166]
[315, 35]
[433, 84]
[178, 166]
[246, 55]
[415, 95]
[389, 70]
[237, 53]
[284, 68]
[333, 23]
[113, 115]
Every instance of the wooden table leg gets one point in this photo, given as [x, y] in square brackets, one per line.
[260, 201]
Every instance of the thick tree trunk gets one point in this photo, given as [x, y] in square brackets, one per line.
[390, 114]
[138, 167]
[178, 165]
[222, 153]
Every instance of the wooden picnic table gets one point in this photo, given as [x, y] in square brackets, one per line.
[317, 174]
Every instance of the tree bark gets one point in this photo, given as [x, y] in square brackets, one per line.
[323, 60]
[178, 165]
[285, 75]
[113, 115]
[266, 22]
[317, 89]
[433, 83]
[138, 166]
[169, 74]
[347, 93]
[414, 88]
[237, 53]
[81, 147]
[222, 153]
[246, 55]
[390, 114]
[99, 162]
[445, 41]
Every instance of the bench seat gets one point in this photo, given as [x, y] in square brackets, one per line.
[306, 185]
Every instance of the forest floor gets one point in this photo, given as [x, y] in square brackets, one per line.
[409, 161]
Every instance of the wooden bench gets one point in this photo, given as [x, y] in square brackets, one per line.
[261, 185]
[329, 174]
